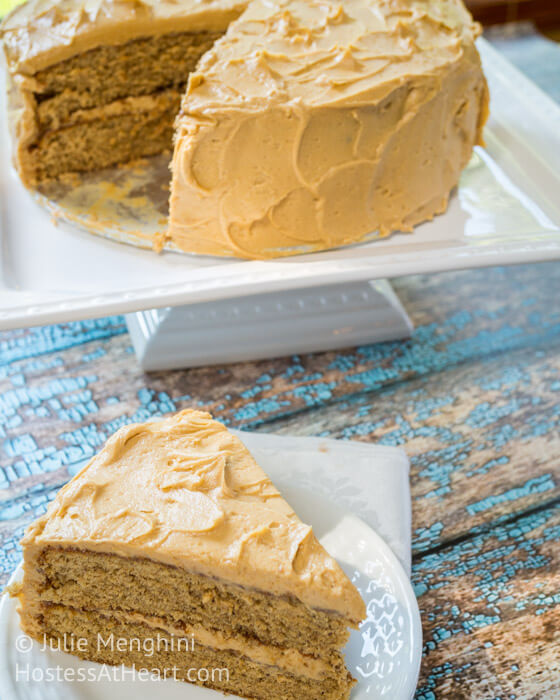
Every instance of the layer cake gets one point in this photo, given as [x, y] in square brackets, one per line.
[174, 532]
[297, 125]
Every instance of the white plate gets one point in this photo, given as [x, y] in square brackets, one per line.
[384, 655]
[506, 210]
[361, 480]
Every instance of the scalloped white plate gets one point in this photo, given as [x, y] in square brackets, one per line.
[506, 210]
[326, 482]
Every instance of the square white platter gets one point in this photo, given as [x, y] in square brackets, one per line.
[506, 210]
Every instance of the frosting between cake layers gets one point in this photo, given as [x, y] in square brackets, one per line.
[40, 33]
[312, 123]
[284, 658]
[186, 492]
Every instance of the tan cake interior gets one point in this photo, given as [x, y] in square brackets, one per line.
[111, 104]
[272, 647]
[185, 599]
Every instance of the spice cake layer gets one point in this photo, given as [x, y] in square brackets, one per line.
[75, 67]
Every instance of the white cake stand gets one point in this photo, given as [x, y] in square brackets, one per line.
[185, 310]
[268, 325]
[129, 205]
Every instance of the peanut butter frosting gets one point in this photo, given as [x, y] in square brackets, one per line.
[290, 660]
[41, 33]
[313, 123]
[186, 492]
[310, 124]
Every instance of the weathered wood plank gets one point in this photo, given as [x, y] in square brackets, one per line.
[460, 317]
[484, 439]
[57, 409]
[491, 613]
[483, 448]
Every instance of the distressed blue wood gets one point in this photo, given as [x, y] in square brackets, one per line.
[474, 397]
[484, 440]
[91, 389]
[491, 612]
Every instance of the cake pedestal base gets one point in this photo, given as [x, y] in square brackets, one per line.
[268, 325]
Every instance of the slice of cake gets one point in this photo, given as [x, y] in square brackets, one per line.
[174, 540]
[96, 84]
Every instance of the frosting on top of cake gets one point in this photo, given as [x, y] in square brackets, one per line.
[186, 492]
[292, 125]
[40, 33]
[327, 52]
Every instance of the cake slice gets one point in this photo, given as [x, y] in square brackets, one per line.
[174, 540]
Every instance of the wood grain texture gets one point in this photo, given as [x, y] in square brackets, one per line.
[474, 397]
[59, 409]
[491, 613]
[483, 439]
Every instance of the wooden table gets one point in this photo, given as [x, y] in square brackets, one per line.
[473, 397]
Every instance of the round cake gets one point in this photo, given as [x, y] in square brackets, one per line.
[297, 126]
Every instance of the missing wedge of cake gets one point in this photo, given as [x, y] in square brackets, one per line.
[173, 532]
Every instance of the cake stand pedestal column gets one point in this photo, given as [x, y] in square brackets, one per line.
[268, 325]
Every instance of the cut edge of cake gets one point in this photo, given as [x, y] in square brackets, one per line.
[74, 66]
[395, 89]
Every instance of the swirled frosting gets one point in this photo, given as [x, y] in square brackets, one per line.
[313, 123]
[186, 492]
[40, 33]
